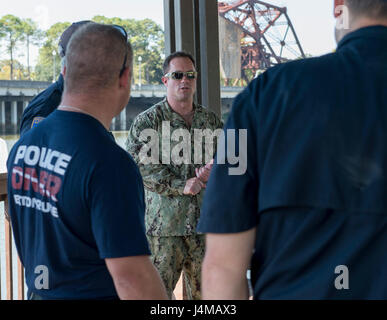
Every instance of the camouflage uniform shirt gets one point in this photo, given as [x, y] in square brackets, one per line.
[168, 211]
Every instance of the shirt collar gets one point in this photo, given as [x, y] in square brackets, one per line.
[375, 32]
[171, 111]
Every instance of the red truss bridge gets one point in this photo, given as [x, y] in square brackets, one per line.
[267, 36]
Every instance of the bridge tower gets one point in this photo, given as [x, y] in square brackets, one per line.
[266, 34]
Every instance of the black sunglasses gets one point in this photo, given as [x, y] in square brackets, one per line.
[178, 75]
[125, 35]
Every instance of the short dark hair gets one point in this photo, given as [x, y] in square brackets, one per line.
[177, 54]
[369, 8]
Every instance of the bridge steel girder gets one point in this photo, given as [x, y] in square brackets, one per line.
[192, 26]
[256, 20]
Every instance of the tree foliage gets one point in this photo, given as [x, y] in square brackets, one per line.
[49, 52]
[11, 30]
[19, 70]
[32, 36]
[146, 37]
[147, 40]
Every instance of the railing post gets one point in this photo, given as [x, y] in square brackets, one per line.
[8, 247]
[8, 255]
[20, 280]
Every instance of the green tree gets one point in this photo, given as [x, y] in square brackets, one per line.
[33, 36]
[147, 39]
[11, 29]
[49, 52]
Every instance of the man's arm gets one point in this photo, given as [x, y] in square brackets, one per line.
[225, 264]
[135, 278]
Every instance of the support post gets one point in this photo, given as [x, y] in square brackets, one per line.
[184, 26]
[169, 26]
[123, 119]
[2, 112]
[209, 55]
[8, 258]
[20, 280]
[14, 113]
[25, 104]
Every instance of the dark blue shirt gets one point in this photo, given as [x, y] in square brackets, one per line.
[75, 198]
[42, 105]
[316, 180]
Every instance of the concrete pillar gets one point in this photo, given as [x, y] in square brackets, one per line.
[123, 119]
[113, 125]
[14, 113]
[2, 112]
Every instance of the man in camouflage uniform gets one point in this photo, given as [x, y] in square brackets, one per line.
[175, 180]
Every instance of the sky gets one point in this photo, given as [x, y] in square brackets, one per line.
[312, 20]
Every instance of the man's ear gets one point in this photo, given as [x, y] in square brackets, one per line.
[337, 10]
[64, 71]
[126, 78]
[164, 80]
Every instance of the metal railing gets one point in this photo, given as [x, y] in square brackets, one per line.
[8, 249]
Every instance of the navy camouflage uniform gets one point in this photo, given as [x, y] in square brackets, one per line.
[171, 217]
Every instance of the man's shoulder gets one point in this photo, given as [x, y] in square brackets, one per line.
[207, 117]
[298, 82]
[205, 111]
[49, 97]
[42, 105]
[305, 70]
[110, 157]
[295, 78]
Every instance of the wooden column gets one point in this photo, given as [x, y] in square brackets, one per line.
[20, 280]
[8, 257]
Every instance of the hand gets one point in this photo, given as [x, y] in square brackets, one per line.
[203, 173]
[193, 186]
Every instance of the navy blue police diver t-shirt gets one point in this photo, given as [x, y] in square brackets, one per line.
[75, 199]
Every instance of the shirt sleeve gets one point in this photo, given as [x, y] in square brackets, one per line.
[230, 202]
[117, 207]
[159, 178]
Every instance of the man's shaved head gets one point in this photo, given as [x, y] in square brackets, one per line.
[94, 57]
[369, 8]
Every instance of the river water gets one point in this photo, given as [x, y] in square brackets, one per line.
[120, 137]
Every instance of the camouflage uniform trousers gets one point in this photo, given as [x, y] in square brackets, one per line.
[172, 255]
